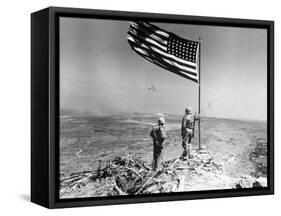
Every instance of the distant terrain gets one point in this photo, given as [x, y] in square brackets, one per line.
[239, 147]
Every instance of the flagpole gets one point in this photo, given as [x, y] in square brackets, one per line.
[199, 94]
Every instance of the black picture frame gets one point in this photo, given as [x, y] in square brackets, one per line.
[45, 105]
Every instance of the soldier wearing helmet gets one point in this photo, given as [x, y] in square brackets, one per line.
[158, 135]
[187, 131]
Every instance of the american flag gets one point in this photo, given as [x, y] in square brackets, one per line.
[165, 49]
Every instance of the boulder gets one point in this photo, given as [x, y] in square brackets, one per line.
[245, 182]
[260, 182]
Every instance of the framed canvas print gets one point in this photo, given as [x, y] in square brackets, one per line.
[138, 107]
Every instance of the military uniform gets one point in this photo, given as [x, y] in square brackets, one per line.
[187, 131]
[158, 135]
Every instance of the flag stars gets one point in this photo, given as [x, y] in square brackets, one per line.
[183, 49]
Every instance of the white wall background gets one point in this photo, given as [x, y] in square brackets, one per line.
[15, 106]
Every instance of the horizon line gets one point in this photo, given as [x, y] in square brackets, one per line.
[88, 113]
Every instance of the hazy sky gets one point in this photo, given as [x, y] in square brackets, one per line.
[99, 73]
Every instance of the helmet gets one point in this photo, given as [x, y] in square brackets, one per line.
[188, 110]
[161, 120]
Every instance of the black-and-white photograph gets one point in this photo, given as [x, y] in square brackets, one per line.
[154, 107]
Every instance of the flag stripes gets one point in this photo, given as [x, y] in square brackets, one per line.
[164, 49]
[190, 68]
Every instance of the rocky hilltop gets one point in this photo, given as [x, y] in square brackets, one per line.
[133, 175]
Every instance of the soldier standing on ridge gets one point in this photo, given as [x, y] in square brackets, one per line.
[158, 135]
[187, 131]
